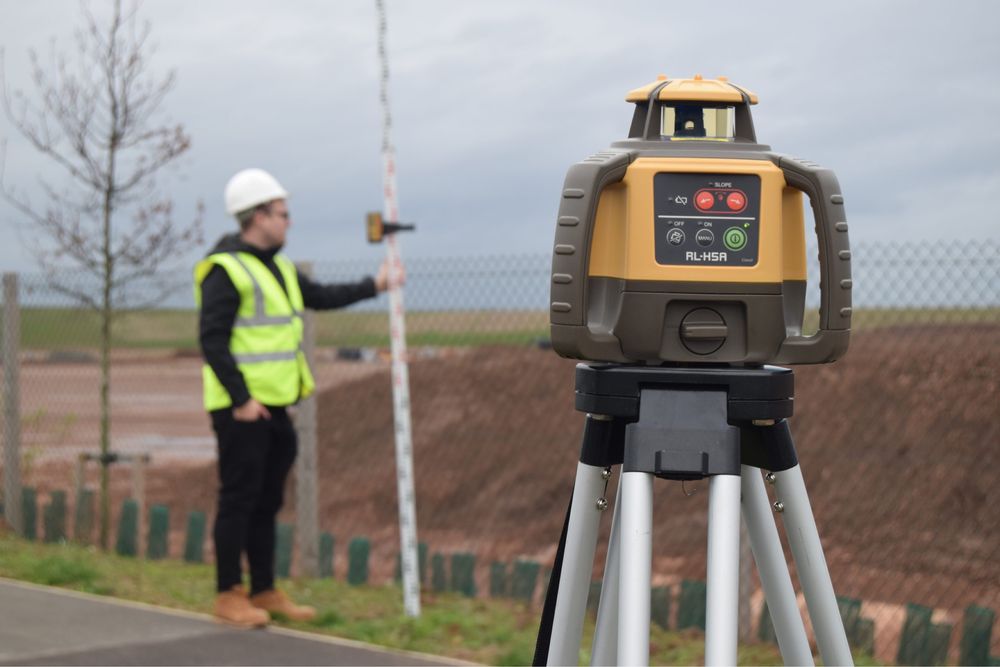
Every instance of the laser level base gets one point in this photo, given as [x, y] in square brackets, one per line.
[687, 423]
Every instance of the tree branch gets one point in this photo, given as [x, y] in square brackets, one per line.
[96, 115]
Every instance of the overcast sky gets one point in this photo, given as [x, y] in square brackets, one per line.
[493, 101]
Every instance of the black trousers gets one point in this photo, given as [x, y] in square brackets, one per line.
[254, 461]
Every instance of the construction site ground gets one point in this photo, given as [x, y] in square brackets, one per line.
[898, 444]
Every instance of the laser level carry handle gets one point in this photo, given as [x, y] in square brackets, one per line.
[823, 190]
[577, 209]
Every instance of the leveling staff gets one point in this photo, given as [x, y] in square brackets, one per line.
[251, 299]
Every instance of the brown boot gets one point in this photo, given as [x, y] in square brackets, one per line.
[233, 607]
[276, 602]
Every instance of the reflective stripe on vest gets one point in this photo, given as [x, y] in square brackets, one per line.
[264, 356]
[267, 333]
[260, 315]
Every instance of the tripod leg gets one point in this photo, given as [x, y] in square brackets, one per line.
[773, 571]
[722, 610]
[605, 647]
[636, 564]
[577, 566]
[814, 576]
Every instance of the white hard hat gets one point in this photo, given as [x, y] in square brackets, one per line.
[252, 187]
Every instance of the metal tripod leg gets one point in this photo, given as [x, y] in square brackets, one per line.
[577, 566]
[604, 650]
[773, 571]
[803, 538]
[723, 586]
[636, 562]
[693, 423]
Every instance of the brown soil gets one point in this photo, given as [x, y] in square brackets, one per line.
[898, 443]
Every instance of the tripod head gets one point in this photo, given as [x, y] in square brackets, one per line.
[685, 242]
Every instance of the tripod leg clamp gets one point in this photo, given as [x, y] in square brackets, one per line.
[603, 442]
[768, 447]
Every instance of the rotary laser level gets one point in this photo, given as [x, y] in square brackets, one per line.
[685, 242]
[680, 258]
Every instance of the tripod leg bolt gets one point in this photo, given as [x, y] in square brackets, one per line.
[602, 504]
[779, 507]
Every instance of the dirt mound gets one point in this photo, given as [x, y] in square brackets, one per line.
[898, 443]
[495, 441]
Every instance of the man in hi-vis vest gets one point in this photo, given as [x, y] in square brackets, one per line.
[251, 300]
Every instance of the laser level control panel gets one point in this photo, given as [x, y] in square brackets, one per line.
[706, 219]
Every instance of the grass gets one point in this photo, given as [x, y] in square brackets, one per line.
[56, 328]
[483, 630]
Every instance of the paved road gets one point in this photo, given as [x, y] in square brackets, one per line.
[49, 626]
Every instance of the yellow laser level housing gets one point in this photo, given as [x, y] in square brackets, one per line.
[685, 242]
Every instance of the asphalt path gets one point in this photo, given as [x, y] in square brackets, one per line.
[50, 626]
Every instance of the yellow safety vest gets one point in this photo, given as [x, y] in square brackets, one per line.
[267, 334]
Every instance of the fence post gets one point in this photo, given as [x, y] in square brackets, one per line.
[523, 580]
[127, 543]
[83, 517]
[306, 498]
[357, 561]
[194, 541]
[158, 537]
[326, 555]
[691, 605]
[659, 606]
[977, 628]
[283, 550]
[29, 513]
[11, 404]
[79, 484]
[439, 580]
[54, 517]
[916, 634]
[139, 495]
[498, 579]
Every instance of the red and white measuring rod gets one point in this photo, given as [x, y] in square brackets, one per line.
[397, 332]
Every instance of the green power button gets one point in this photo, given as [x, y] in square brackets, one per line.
[735, 238]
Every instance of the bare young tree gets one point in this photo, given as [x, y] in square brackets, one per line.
[97, 116]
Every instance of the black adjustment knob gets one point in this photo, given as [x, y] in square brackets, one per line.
[703, 331]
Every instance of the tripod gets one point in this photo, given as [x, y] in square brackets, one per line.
[687, 423]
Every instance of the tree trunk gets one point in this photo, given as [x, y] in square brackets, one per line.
[106, 315]
[105, 414]
[105, 393]
[107, 276]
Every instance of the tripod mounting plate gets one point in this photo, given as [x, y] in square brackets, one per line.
[752, 393]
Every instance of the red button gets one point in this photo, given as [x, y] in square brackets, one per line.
[736, 201]
[704, 200]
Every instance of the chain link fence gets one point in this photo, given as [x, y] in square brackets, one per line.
[898, 441]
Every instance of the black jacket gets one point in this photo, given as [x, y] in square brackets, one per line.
[220, 302]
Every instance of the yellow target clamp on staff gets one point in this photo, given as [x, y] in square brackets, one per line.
[378, 228]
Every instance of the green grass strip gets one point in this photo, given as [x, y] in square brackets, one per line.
[482, 629]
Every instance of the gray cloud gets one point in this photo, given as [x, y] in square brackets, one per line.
[493, 101]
